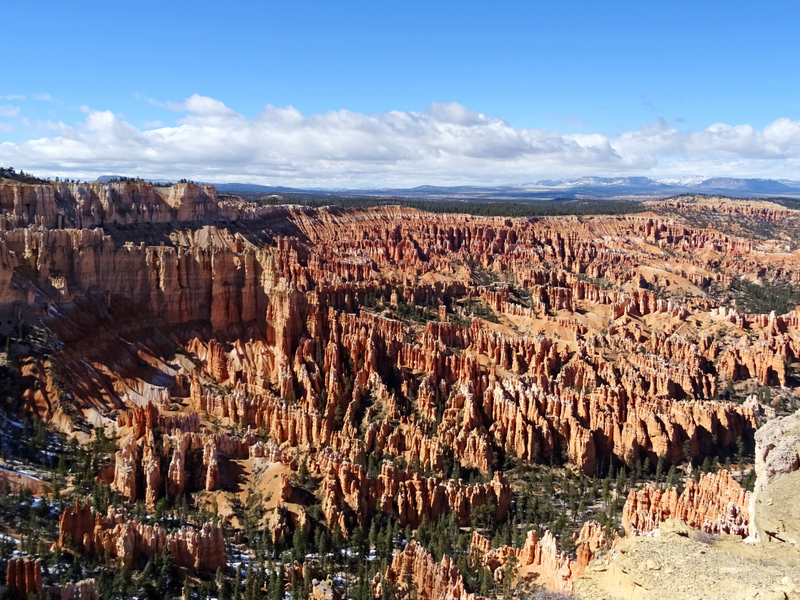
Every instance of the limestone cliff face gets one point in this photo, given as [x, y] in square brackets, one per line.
[762, 210]
[88, 205]
[177, 284]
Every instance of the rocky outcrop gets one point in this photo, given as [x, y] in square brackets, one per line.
[24, 576]
[764, 360]
[139, 419]
[131, 541]
[24, 579]
[774, 514]
[554, 569]
[324, 590]
[138, 463]
[416, 568]
[151, 469]
[777, 450]
[716, 504]
[408, 497]
[87, 589]
[192, 457]
[125, 466]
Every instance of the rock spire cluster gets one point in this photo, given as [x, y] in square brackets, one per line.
[383, 352]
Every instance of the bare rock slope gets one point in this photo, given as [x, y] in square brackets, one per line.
[682, 564]
[775, 505]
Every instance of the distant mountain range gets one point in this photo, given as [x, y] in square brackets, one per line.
[606, 187]
[584, 187]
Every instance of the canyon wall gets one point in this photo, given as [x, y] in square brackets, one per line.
[385, 350]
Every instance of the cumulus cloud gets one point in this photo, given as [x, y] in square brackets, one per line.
[445, 143]
[9, 111]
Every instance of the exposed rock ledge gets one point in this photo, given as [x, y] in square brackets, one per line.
[774, 507]
[681, 563]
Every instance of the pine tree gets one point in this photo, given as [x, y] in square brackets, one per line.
[659, 468]
[509, 573]
[299, 544]
[219, 579]
[672, 477]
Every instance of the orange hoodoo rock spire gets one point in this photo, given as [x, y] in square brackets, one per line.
[716, 504]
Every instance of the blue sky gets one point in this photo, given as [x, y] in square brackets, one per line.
[305, 92]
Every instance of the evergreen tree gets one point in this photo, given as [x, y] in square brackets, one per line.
[299, 544]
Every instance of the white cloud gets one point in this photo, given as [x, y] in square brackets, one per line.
[23, 97]
[8, 111]
[6, 127]
[446, 143]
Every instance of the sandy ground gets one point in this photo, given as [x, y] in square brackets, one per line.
[683, 564]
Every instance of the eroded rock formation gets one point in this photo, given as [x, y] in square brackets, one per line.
[126, 538]
[553, 568]
[408, 497]
[24, 576]
[86, 589]
[415, 567]
[716, 504]
[433, 342]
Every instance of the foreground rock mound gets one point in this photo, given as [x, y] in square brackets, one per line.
[679, 564]
[774, 509]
